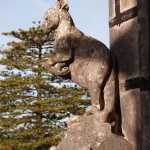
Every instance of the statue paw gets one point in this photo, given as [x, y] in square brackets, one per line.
[101, 117]
[59, 69]
[91, 110]
[49, 62]
[53, 148]
[73, 119]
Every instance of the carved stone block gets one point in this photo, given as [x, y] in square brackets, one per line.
[86, 133]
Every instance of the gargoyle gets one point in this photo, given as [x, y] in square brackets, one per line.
[88, 61]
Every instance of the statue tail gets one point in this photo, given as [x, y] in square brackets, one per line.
[112, 98]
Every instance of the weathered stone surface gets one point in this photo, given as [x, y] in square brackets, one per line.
[127, 54]
[86, 60]
[87, 133]
[111, 9]
[127, 4]
[131, 114]
[115, 142]
[130, 42]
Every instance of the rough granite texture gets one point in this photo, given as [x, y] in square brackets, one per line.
[84, 135]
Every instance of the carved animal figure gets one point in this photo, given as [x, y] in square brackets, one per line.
[85, 59]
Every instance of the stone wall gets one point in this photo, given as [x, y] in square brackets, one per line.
[129, 40]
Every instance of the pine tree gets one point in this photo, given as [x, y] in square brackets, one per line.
[34, 104]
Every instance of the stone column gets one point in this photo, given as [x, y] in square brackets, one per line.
[129, 40]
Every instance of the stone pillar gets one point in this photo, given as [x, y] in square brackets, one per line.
[129, 40]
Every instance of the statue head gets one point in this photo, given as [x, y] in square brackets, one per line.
[54, 15]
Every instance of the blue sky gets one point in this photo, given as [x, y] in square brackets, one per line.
[90, 16]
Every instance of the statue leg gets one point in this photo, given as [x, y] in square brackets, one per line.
[97, 96]
[100, 108]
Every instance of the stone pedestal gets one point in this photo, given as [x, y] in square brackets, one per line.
[86, 133]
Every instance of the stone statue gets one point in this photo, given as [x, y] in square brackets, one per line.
[86, 60]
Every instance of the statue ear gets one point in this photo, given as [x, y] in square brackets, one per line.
[58, 4]
[65, 6]
[62, 4]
